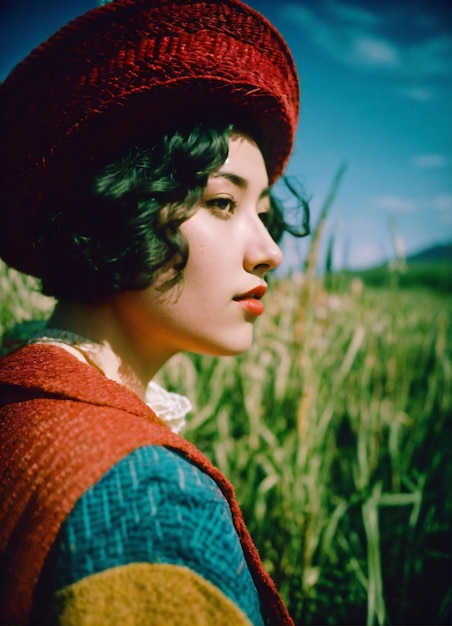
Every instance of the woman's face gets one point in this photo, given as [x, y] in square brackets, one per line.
[230, 252]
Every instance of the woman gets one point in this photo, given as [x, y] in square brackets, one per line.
[138, 151]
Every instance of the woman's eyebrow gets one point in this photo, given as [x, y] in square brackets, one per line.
[235, 179]
[239, 182]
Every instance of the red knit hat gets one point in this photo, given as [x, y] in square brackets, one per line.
[126, 70]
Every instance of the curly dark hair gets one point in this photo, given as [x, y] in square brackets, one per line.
[117, 231]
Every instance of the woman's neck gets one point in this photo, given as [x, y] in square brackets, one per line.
[99, 324]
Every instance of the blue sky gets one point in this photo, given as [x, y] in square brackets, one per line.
[376, 82]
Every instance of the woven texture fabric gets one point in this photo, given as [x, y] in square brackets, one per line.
[153, 506]
[141, 594]
[122, 72]
[63, 425]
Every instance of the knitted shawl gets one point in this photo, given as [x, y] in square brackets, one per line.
[62, 426]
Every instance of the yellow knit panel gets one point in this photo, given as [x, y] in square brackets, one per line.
[145, 594]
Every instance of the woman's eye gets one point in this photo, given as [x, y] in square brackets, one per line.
[223, 204]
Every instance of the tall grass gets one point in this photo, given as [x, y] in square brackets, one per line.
[336, 432]
[340, 450]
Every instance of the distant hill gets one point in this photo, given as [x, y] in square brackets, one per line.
[435, 254]
[430, 268]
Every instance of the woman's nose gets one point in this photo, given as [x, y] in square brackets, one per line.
[263, 253]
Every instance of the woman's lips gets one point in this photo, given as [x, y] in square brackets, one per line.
[251, 300]
[253, 306]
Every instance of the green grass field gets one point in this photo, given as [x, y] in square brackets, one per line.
[335, 428]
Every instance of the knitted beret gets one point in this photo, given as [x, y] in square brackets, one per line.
[122, 72]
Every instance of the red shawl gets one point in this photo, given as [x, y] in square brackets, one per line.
[62, 426]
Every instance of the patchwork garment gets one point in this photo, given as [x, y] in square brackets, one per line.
[107, 516]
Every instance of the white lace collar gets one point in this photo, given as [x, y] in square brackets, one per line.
[170, 407]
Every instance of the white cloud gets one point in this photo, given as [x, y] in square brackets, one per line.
[375, 51]
[348, 44]
[431, 57]
[357, 15]
[429, 161]
[396, 204]
[440, 203]
[355, 36]
[418, 93]
[443, 203]
[365, 253]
